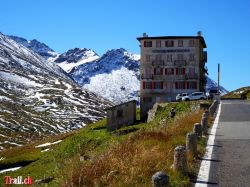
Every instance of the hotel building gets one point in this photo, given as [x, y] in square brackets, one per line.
[170, 65]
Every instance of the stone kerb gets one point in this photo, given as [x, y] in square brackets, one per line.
[180, 160]
[160, 179]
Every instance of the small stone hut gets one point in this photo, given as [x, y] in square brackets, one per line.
[121, 115]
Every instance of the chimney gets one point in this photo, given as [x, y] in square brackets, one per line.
[199, 33]
[145, 35]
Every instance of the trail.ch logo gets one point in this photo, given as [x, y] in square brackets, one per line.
[18, 180]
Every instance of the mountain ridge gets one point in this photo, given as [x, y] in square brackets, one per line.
[38, 99]
[117, 69]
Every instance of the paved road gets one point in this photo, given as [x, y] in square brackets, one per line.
[231, 154]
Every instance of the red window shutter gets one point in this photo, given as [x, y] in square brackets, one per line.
[144, 85]
[153, 85]
[154, 71]
[172, 71]
[176, 85]
[161, 71]
[145, 43]
[176, 71]
[161, 85]
[183, 71]
[195, 85]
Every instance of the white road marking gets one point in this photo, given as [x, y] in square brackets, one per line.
[203, 175]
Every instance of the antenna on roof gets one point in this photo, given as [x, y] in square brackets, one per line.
[145, 34]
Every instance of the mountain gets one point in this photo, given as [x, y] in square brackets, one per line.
[36, 46]
[75, 57]
[115, 75]
[212, 84]
[117, 70]
[38, 98]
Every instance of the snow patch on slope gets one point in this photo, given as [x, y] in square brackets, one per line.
[75, 57]
[119, 85]
[14, 78]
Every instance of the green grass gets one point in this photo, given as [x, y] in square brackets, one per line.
[94, 141]
[238, 92]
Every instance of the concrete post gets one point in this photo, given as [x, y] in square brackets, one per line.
[191, 143]
[160, 179]
[207, 112]
[180, 159]
[204, 123]
[197, 129]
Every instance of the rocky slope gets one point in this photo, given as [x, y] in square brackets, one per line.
[36, 46]
[38, 98]
[115, 75]
[74, 58]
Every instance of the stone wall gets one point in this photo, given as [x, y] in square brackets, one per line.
[121, 115]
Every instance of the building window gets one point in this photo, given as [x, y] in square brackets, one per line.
[158, 71]
[147, 99]
[169, 86]
[147, 85]
[158, 58]
[169, 43]
[192, 85]
[180, 43]
[158, 43]
[179, 85]
[180, 71]
[120, 113]
[180, 57]
[169, 71]
[158, 85]
[169, 58]
[148, 71]
[191, 57]
[147, 58]
[192, 72]
[191, 43]
[147, 43]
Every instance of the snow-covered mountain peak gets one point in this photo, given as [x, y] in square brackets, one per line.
[121, 53]
[36, 46]
[76, 54]
[75, 57]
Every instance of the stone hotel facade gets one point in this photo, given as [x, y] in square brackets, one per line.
[170, 65]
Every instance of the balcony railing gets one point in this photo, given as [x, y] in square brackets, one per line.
[158, 62]
[167, 63]
[157, 77]
[191, 76]
[180, 63]
[146, 76]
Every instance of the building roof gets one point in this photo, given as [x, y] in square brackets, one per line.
[113, 107]
[173, 37]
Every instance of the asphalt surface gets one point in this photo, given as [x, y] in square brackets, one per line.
[230, 165]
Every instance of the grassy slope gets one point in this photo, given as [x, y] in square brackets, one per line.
[237, 93]
[116, 158]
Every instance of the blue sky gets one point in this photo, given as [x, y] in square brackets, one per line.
[106, 24]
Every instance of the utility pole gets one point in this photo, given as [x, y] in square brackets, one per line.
[219, 78]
